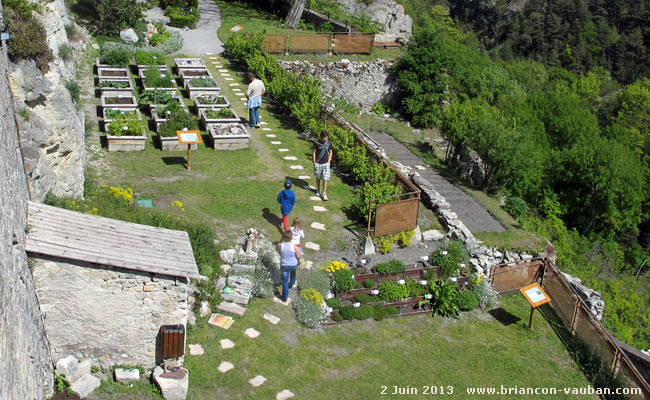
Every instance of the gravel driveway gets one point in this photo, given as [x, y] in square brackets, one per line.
[204, 38]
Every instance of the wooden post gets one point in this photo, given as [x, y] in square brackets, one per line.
[530, 321]
[189, 153]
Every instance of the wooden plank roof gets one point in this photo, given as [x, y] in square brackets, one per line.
[76, 236]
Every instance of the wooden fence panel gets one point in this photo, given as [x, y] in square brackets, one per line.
[312, 43]
[274, 43]
[352, 43]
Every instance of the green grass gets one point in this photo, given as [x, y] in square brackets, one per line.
[110, 389]
[353, 361]
[251, 19]
[386, 54]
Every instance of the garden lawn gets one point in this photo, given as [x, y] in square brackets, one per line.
[354, 360]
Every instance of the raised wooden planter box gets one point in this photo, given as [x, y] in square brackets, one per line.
[166, 89]
[108, 120]
[113, 73]
[187, 74]
[126, 143]
[177, 98]
[189, 63]
[222, 120]
[128, 86]
[228, 136]
[142, 69]
[413, 273]
[200, 105]
[158, 119]
[197, 91]
[171, 144]
[119, 100]
[100, 64]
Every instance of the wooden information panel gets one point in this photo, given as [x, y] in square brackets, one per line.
[535, 295]
[396, 217]
[189, 137]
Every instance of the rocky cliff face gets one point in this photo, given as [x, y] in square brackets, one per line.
[396, 25]
[51, 128]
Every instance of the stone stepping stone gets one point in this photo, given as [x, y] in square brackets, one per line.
[243, 99]
[276, 142]
[263, 123]
[284, 395]
[297, 167]
[312, 246]
[229, 79]
[225, 366]
[290, 158]
[257, 381]
[95, 46]
[284, 303]
[251, 333]
[226, 344]
[421, 168]
[236, 89]
[231, 308]
[318, 225]
[270, 135]
[320, 209]
[283, 150]
[209, 54]
[196, 350]
[223, 70]
[213, 58]
[224, 74]
[266, 129]
[234, 84]
[304, 177]
[271, 318]
[310, 187]
[315, 198]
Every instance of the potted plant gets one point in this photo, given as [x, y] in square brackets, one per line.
[126, 133]
[176, 121]
[157, 98]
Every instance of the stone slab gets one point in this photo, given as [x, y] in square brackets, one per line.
[297, 167]
[228, 79]
[251, 333]
[240, 282]
[263, 123]
[243, 268]
[84, 369]
[234, 84]
[304, 177]
[284, 303]
[290, 158]
[312, 246]
[85, 385]
[266, 129]
[213, 58]
[432, 235]
[270, 135]
[283, 150]
[226, 344]
[236, 298]
[68, 367]
[257, 381]
[172, 389]
[276, 142]
[231, 308]
[315, 198]
[421, 168]
[284, 395]
[125, 375]
[271, 318]
[318, 225]
[225, 366]
[196, 350]
[223, 74]
[223, 70]
[320, 209]
[243, 99]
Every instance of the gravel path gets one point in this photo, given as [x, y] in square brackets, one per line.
[201, 40]
[473, 215]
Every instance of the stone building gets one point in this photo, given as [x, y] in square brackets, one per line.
[105, 287]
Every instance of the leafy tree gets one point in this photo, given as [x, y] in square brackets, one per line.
[117, 14]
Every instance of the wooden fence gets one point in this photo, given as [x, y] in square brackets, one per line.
[342, 43]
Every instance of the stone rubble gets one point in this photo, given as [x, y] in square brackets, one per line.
[172, 389]
[85, 385]
[123, 375]
[593, 298]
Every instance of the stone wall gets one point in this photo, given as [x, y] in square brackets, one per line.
[360, 83]
[52, 137]
[108, 315]
[24, 355]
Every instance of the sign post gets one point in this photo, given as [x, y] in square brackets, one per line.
[536, 296]
[189, 138]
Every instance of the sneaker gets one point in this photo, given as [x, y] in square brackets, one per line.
[317, 193]
[324, 196]
[258, 126]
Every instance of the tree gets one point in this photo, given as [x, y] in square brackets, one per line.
[293, 17]
[118, 14]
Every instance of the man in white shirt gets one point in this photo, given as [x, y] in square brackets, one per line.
[254, 94]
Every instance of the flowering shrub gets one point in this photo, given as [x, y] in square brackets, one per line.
[486, 294]
[312, 295]
[343, 280]
[333, 266]
[308, 313]
[119, 193]
[316, 279]
[174, 43]
[177, 204]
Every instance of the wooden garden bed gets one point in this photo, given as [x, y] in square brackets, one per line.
[119, 100]
[114, 73]
[233, 136]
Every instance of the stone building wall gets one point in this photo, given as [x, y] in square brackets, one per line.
[24, 355]
[360, 83]
[109, 315]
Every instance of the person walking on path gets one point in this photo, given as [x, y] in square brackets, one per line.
[297, 232]
[289, 260]
[322, 157]
[286, 198]
[254, 94]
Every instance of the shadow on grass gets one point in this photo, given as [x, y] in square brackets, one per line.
[505, 317]
[272, 219]
[174, 161]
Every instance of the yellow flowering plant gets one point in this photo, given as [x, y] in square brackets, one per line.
[333, 266]
[312, 295]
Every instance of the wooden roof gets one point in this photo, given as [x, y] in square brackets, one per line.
[76, 236]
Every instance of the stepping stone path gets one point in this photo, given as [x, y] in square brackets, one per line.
[251, 333]
[276, 142]
[312, 187]
[290, 158]
[266, 129]
[283, 150]
[223, 70]
[297, 167]
[214, 58]
[196, 350]
[270, 135]
[225, 367]
[304, 177]
[243, 98]
[318, 225]
[315, 198]
[224, 74]
[257, 381]
[234, 84]
[229, 79]
[421, 168]
[231, 308]
[284, 303]
[320, 209]
[263, 123]
[226, 344]
[271, 318]
[284, 395]
[312, 246]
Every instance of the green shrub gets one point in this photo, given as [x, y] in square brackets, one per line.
[126, 125]
[334, 302]
[404, 237]
[316, 279]
[379, 108]
[369, 283]
[143, 57]
[458, 251]
[28, 38]
[436, 258]
[308, 313]
[160, 37]
[174, 43]
[116, 57]
[168, 108]
[219, 113]
[336, 316]
[448, 267]
[181, 21]
[312, 295]
[390, 267]
[24, 113]
[364, 298]
[75, 90]
[369, 191]
[391, 291]
[516, 206]
[414, 288]
[358, 285]
[202, 82]
[467, 300]
[112, 114]
[343, 280]
[445, 302]
[117, 14]
[363, 312]
[383, 311]
[71, 32]
[385, 244]
[155, 79]
[65, 52]
[113, 84]
[207, 291]
[156, 96]
[177, 121]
